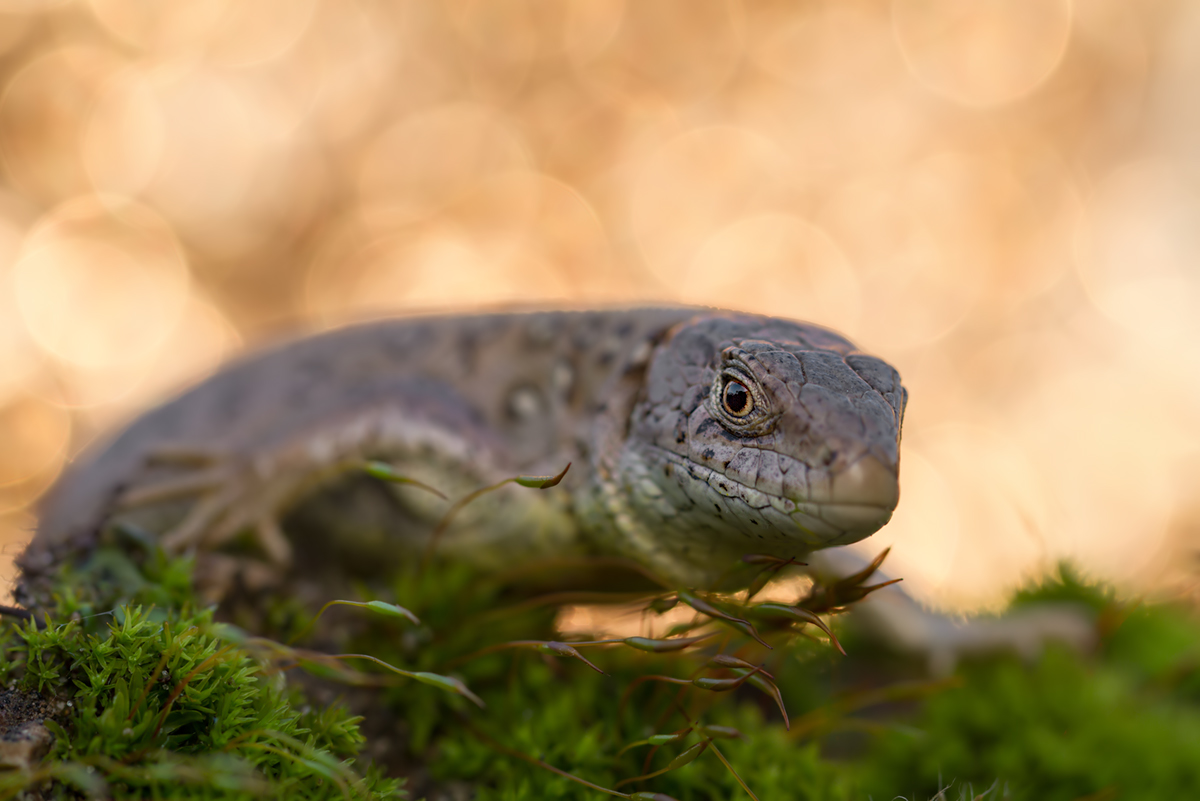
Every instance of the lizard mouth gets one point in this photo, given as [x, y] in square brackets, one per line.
[860, 500]
[838, 508]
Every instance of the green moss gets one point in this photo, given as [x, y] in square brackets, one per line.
[1122, 723]
[1062, 729]
[167, 703]
[162, 702]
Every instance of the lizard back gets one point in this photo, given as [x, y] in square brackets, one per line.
[666, 470]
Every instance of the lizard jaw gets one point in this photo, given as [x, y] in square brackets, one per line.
[844, 507]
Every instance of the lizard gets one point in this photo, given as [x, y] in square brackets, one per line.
[695, 436]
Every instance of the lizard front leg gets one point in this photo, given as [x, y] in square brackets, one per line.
[228, 494]
[225, 490]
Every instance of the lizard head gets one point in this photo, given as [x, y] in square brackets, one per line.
[756, 435]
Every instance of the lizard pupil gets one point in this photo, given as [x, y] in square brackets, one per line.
[737, 399]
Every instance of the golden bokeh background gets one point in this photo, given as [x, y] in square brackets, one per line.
[999, 196]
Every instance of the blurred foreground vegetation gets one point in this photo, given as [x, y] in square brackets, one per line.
[166, 703]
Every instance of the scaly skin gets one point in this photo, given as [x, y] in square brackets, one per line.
[663, 470]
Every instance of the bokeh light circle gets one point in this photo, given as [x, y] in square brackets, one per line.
[697, 183]
[1107, 449]
[439, 268]
[226, 185]
[18, 354]
[42, 121]
[1002, 508]
[234, 34]
[37, 437]
[100, 282]
[921, 239]
[1137, 251]
[982, 52]
[424, 161]
[775, 264]
[678, 50]
[123, 142]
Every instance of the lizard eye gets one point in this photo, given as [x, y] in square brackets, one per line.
[737, 399]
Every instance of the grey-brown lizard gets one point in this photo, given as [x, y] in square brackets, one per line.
[696, 436]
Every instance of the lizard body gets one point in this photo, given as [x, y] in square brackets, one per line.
[695, 435]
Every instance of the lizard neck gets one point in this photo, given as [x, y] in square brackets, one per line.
[610, 504]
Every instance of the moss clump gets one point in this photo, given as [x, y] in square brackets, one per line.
[1062, 729]
[581, 731]
[1122, 723]
[166, 703]
[564, 714]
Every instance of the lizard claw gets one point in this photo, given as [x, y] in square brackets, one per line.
[170, 489]
[185, 454]
[229, 497]
[272, 539]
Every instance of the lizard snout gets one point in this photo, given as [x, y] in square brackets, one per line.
[861, 499]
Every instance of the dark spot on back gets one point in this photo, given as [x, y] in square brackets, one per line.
[586, 332]
[468, 350]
